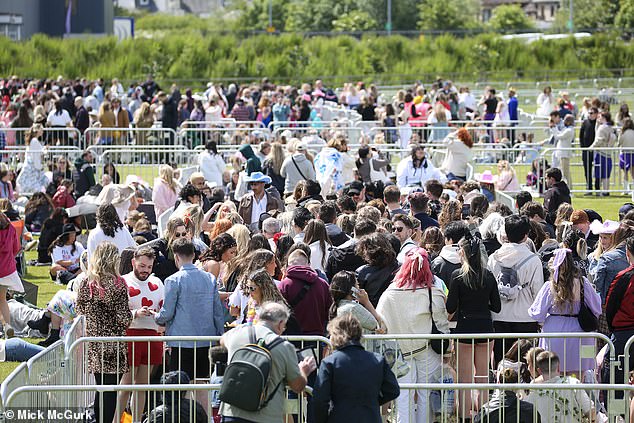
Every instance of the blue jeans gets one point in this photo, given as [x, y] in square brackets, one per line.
[18, 350]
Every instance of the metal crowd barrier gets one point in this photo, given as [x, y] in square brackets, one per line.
[52, 136]
[602, 162]
[67, 384]
[128, 136]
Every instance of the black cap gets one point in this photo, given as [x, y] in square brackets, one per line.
[69, 228]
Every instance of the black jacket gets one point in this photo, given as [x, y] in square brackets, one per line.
[343, 259]
[169, 116]
[556, 195]
[164, 265]
[505, 409]
[426, 221]
[375, 280]
[588, 130]
[184, 411]
[83, 176]
[351, 385]
[82, 120]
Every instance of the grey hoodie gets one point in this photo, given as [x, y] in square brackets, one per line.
[530, 274]
[292, 173]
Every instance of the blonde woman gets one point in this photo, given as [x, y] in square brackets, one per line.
[143, 118]
[195, 222]
[507, 179]
[165, 190]
[107, 119]
[242, 236]
[439, 120]
[272, 166]
[32, 178]
[103, 300]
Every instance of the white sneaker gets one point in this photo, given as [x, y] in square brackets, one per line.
[8, 331]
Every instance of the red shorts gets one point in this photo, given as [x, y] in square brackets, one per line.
[142, 354]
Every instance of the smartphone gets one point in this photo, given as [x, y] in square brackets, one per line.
[307, 353]
[355, 292]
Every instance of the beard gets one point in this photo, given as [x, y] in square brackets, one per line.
[141, 276]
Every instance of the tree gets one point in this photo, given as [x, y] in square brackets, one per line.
[587, 14]
[255, 15]
[357, 20]
[311, 15]
[510, 17]
[447, 15]
[402, 17]
[625, 18]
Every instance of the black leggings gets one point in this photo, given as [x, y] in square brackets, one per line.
[109, 398]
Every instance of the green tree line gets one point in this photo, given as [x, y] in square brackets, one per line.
[407, 15]
[289, 57]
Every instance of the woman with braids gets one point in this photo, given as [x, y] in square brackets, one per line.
[109, 229]
[348, 298]
[259, 259]
[557, 305]
[103, 299]
[473, 295]
[575, 240]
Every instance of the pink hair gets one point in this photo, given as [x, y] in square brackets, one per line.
[415, 271]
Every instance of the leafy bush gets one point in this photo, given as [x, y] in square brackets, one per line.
[187, 56]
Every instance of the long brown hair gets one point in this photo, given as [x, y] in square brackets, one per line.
[563, 286]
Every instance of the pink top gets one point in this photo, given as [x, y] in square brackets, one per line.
[163, 197]
[9, 248]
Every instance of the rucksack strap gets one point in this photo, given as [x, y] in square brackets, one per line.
[297, 167]
[517, 266]
[300, 295]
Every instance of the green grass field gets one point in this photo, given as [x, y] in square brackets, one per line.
[40, 277]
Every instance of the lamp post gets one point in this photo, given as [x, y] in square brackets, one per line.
[388, 25]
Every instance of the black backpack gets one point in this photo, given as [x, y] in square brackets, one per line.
[244, 384]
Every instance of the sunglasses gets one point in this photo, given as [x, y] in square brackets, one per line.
[398, 229]
[251, 288]
[180, 234]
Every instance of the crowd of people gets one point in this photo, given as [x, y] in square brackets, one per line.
[300, 238]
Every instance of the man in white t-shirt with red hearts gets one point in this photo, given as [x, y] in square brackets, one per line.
[146, 294]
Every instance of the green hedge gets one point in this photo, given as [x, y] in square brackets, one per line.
[189, 56]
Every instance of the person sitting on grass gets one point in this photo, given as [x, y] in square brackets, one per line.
[65, 252]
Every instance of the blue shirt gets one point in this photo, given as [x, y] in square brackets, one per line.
[191, 307]
[280, 112]
[512, 106]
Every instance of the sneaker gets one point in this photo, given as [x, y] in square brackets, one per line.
[8, 332]
[41, 324]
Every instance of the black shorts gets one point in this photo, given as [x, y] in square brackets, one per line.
[190, 360]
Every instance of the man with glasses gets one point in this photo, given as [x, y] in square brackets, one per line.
[403, 228]
[586, 138]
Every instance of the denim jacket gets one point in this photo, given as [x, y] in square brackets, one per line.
[191, 307]
[606, 268]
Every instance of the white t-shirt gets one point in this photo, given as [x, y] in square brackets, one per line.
[65, 253]
[150, 293]
[61, 119]
[122, 239]
[259, 207]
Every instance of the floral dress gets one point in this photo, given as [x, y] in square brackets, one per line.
[32, 178]
[107, 314]
[329, 170]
